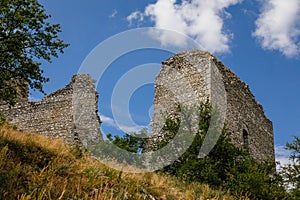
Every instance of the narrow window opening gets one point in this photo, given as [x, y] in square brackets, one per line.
[245, 139]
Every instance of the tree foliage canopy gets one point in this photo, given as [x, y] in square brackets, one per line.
[130, 142]
[226, 166]
[291, 172]
[25, 38]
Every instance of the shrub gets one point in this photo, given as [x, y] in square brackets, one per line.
[226, 166]
[291, 172]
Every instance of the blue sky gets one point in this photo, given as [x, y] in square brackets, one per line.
[258, 40]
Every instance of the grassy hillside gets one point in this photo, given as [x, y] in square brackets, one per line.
[35, 167]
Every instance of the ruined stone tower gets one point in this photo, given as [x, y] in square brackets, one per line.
[189, 77]
[70, 113]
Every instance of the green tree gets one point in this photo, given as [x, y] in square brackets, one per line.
[291, 172]
[26, 37]
[226, 166]
[107, 149]
[131, 142]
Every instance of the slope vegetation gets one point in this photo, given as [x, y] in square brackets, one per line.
[33, 166]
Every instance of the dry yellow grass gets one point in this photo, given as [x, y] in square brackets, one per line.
[65, 174]
[55, 145]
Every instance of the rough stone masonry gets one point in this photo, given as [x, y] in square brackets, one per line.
[188, 77]
[70, 113]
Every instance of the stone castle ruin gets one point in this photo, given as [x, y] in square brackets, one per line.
[71, 113]
[190, 77]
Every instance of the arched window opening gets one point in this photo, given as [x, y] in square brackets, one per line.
[245, 139]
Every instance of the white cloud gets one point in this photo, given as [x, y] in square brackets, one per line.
[127, 129]
[113, 14]
[135, 16]
[107, 120]
[202, 20]
[282, 155]
[278, 27]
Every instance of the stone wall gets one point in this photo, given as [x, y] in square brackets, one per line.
[190, 77]
[70, 113]
[246, 118]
